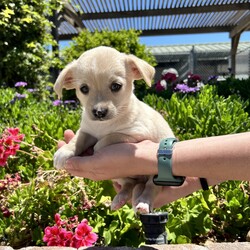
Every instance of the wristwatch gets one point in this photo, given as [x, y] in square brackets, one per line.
[165, 176]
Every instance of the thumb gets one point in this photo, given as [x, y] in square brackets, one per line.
[81, 167]
[73, 165]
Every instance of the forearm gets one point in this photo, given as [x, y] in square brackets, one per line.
[217, 158]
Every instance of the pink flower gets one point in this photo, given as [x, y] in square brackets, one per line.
[69, 233]
[84, 235]
[56, 236]
[9, 144]
[58, 220]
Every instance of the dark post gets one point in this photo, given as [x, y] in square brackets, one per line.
[154, 227]
[55, 48]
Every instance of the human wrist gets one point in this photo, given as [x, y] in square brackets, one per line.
[165, 175]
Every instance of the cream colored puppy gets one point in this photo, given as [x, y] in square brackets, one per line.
[103, 79]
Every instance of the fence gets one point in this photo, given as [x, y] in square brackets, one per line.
[203, 59]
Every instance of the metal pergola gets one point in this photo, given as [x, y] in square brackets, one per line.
[156, 17]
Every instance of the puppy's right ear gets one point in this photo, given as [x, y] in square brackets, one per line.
[65, 79]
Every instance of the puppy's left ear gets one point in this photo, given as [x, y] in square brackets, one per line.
[140, 69]
[65, 79]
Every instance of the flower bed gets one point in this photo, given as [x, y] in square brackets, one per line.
[43, 206]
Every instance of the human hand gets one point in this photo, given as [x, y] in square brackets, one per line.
[122, 160]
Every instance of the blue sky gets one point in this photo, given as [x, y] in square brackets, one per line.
[192, 38]
[186, 39]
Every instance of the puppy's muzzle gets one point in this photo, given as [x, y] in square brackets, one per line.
[100, 113]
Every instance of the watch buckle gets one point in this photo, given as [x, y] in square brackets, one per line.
[164, 152]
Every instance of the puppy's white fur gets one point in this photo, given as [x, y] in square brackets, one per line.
[103, 79]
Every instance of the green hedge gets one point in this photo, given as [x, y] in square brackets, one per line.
[203, 114]
[25, 40]
[221, 214]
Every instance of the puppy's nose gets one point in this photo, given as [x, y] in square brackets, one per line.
[100, 112]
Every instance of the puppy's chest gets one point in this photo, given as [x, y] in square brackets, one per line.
[99, 129]
[136, 129]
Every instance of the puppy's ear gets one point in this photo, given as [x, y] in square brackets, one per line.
[65, 79]
[140, 69]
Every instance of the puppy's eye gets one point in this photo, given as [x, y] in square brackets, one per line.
[84, 89]
[115, 87]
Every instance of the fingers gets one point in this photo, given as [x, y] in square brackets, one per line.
[60, 144]
[86, 167]
[68, 135]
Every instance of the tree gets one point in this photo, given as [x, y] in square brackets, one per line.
[24, 40]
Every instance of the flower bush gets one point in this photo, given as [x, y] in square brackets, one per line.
[170, 83]
[69, 233]
[221, 213]
[32, 192]
[43, 206]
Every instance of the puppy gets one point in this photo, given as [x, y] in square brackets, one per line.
[103, 80]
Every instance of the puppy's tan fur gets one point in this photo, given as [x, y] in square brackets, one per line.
[112, 116]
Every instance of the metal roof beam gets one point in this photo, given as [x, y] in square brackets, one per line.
[169, 11]
[72, 17]
[244, 24]
[186, 31]
[169, 31]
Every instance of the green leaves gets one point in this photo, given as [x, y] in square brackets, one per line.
[221, 213]
[24, 27]
[205, 114]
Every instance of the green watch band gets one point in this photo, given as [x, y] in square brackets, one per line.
[165, 176]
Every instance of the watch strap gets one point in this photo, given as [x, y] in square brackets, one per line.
[165, 175]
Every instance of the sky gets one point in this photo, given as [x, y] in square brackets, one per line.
[186, 39]
[192, 39]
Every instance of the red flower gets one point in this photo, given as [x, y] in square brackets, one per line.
[13, 131]
[160, 87]
[9, 144]
[58, 220]
[57, 235]
[169, 77]
[84, 235]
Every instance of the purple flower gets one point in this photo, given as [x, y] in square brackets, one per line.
[183, 88]
[69, 101]
[21, 84]
[20, 96]
[57, 102]
[32, 90]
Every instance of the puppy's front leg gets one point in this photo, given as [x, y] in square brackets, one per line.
[77, 145]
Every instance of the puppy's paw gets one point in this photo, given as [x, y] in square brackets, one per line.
[142, 208]
[61, 156]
